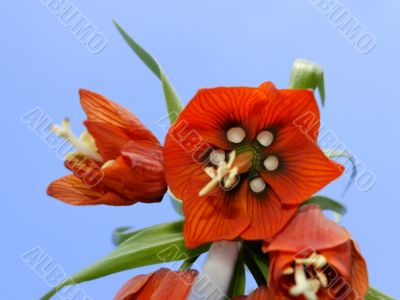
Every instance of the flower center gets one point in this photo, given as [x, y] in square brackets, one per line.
[85, 144]
[308, 283]
[225, 173]
[244, 158]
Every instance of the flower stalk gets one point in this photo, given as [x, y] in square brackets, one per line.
[215, 277]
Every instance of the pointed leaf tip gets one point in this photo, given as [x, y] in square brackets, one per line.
[173, 102]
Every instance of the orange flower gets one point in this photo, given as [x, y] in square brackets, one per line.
[118, 161]
[314, 258]
[163, 284]
[241, 165]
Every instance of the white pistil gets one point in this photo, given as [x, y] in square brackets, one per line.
[257, 185]
[217, 157]
[84, 144]
[265, 138]
[271, 163]
[236, 135]
[304, 286]
[224, 170]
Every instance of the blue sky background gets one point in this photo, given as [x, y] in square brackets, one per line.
[200, 44]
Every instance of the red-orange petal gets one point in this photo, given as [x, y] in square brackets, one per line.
[359, 273]
[303, 168]
[262, 293]
[100, 109]
[137, 175]
[216, 216]
[267, 214]
[109, 139]
[290, 108]
[72, 190]
[212, 111]
[340, 258]
[112, 125]
[184, 152]
[163, 284]
[309, 230]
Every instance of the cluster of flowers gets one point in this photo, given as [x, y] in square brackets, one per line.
[242, 167]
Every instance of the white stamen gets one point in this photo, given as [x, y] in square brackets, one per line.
[322, 277]
[217, 157]
[83, 144]
[107, 163]
[306, 287]
[210, 172]
[316, 260]
[265, 138]
[224, 170]
[236, 135]
[257, 185]
[271, 163]
[230, 179]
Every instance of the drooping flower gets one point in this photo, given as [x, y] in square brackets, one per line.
[314, 258]
[163, 284]
[117, 161]
[240, 163]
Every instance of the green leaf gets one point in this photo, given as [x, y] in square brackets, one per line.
[328, 204]
[333, 153]
[374, 294]
[176, 204]
[308, 75]
[158, 244]
[187, 264]
[254, 269]
[238, 283]
[121, 234]
[256, 261]
[174, 103]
